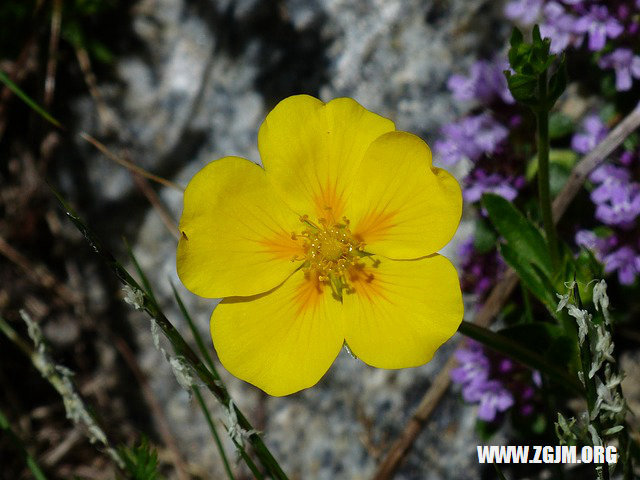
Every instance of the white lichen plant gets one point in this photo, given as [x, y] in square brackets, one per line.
[603, 423]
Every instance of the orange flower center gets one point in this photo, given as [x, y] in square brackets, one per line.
[330, 250]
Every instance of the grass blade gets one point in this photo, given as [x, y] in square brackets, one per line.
[26, 99]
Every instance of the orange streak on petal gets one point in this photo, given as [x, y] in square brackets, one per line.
[308, 295]
[329, 203]
[282, 246]
[368, 285]
[374, 226]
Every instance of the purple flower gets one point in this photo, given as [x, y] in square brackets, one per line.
[617, 203]
[594, 133]
[616, 197]
[600, 246]
[469, 139]
[626, 262]
[485, 83]
[626, 65]
[525, 12]
[474, 365]
[479, 182]
[560, 27]
[479, 271]
[492, 396]
[608, 172]
[600, 26]
[492, 381]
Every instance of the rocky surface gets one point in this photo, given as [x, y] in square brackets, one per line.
[199, 80]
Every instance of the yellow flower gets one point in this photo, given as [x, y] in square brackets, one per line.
[333, 241]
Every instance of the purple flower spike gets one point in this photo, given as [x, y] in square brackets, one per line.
[600, 26]
[560, 27]
[469, 139]
[594, 133]
[525, 12]
[616, 197]
[618, 204]
[626, 65]
[492, 396]
[479, 183]
[600, 246]
[626, 262]
[474, 365]
[485, 83]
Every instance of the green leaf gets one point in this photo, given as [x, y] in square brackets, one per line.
[521, 353]
[549, 340]
[563, 158]
[516, 37]
[560, 125]
[141, 462]
[523, 87]
[557, 83]
[530, 277]
[484, 237]
[26, 99]
[521, 235]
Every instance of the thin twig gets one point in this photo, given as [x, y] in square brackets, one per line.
[594, 158]
[500, 293]
[52, 62]
[39, 274]
[106, 116]
[21, 68]
[161, 421]
[143, 184]
[125, 163]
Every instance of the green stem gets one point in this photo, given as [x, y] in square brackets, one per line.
[28, 458]
[506, 346]
[499, 472]
[527, 304]
[544, 194]
[214, 432]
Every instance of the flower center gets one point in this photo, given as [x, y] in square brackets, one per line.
[330, 250]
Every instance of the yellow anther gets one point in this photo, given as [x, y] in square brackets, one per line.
[330, 251]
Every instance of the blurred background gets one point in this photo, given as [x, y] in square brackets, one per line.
[170, 85]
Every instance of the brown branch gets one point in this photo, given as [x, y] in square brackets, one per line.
[106, 116]
[39, 274]
[157, 204]
[127, 164]
[500, 294]
[52, 61]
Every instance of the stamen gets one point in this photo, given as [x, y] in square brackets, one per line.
[331, 252]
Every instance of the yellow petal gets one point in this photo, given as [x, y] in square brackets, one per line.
[311, 150]
[236, 232]
[402, 311]
[281, 341]
[401, 206]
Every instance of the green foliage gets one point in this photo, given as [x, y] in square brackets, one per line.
[561, 162]
[523, 353]
[520, 234]
[549, 340]
[484, 237]
[530, 64]
[560, 125]
[532, 278]
[140, 462]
